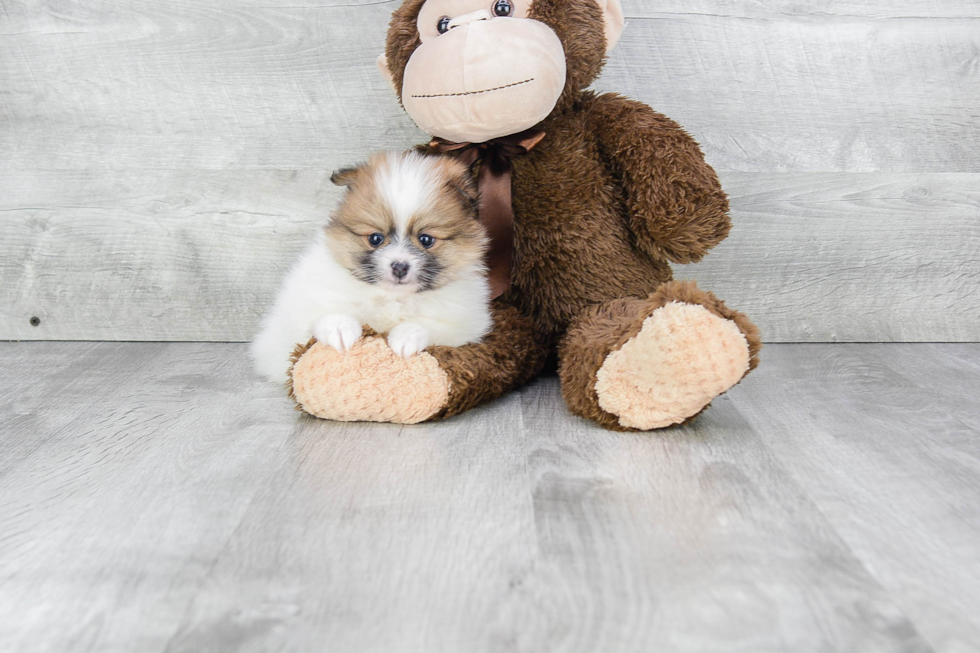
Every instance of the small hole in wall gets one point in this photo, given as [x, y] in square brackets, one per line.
[35, 321]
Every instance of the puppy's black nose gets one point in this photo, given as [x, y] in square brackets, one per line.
[399, 269]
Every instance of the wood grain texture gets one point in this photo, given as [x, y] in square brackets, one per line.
[828, 86]
[182, 85]
[131, 467]
[170, 501]
[683, 540]
[884, 439]
[155, 256]
[851, 257]
[815, 10]
[199, 256]
[164, 161]
[766, 91]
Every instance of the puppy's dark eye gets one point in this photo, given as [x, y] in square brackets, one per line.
[375, 240]
[443, 25]
[426, 241]
[503, 8]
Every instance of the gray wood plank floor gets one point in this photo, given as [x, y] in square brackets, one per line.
[158, 497]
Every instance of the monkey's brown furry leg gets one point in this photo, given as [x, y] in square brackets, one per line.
[511, 355]
[371, 383]
[640, 364]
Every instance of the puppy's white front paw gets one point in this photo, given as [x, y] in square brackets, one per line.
[408, 339]
[338, 330]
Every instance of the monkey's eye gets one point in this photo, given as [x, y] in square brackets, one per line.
[375, 240]
[503, 8]
[443, 25]
[426, 241]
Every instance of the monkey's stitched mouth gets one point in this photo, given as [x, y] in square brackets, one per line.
[486, 90]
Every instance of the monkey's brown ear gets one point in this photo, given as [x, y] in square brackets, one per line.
[385, 72]
[612, 13]
[344, 177]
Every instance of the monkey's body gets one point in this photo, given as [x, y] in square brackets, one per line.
[612, 193]
[570, 207]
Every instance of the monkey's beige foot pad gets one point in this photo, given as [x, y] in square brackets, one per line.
[683, 357]
[368, 383]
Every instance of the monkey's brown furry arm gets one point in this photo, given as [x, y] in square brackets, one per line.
[676, 205]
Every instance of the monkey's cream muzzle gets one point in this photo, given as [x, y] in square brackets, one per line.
[485, 79]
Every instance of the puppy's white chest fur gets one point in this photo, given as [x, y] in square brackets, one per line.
[453, 315]
[386, 310]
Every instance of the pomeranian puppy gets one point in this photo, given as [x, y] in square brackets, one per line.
[402, 253]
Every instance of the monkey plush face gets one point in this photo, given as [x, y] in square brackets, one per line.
[473, 70]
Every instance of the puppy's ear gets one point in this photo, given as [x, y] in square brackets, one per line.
[344, 176]
[463, 186]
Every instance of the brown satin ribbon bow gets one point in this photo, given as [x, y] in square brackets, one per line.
[494, 183]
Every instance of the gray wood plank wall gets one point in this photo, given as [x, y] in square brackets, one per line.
[162, 162]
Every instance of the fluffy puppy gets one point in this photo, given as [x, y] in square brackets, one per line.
[402, 253]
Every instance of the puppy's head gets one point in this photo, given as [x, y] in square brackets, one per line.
[407, 222]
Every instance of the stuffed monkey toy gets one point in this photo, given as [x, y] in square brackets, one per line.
[587, 198]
